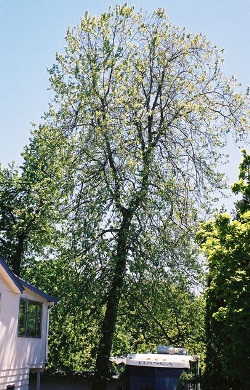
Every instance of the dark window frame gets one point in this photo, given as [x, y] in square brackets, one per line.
[29, 319]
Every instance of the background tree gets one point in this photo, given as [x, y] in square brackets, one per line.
[225, 242]
[242, 186]
[13, 206]
[27, 213]
[140, 111]
[31, 203]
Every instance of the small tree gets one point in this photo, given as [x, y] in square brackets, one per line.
[226, 243]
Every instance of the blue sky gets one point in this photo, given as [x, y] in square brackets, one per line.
[32, 31]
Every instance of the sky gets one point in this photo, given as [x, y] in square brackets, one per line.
[32, 31]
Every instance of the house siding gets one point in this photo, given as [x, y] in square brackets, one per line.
[18, 377]
[19, 355]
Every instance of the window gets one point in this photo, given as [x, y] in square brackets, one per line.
[153, 378]
[30, 315]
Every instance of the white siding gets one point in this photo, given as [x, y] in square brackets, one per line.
[8, 326]
[18, 377]
[18, 354]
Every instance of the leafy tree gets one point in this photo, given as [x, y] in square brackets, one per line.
[74, 321]
[155, 312]
[225, 242]
[159, 312]
[139, 113]
[29, 204]
[13, 209]
[242, 186]
[129, 148]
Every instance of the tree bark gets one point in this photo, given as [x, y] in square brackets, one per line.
[103, 372]
[18, 253]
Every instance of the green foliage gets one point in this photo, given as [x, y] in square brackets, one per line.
[74, 320]
[124, 163]
[27, 214]
[226, 243]
[141, 119]
[159, 311]
[153, 313]
[242, 185]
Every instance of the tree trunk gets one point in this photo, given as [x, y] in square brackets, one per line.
[18, 254]
[103, 371]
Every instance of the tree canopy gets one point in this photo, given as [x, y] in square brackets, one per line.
[28, 212]
[130, 145]
[225, 242]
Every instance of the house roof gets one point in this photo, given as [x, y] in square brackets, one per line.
[36, 290]
[19, 285]
[10, 278]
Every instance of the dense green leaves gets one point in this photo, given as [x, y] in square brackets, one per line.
[27, 214]
[226, 242]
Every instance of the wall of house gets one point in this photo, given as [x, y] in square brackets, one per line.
[18, 354]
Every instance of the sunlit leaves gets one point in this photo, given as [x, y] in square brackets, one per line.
[225, 242]
[130, 145]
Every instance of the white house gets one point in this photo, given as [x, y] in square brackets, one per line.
[24, 319]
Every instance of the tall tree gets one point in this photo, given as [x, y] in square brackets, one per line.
[225, 242]
[140, 111]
